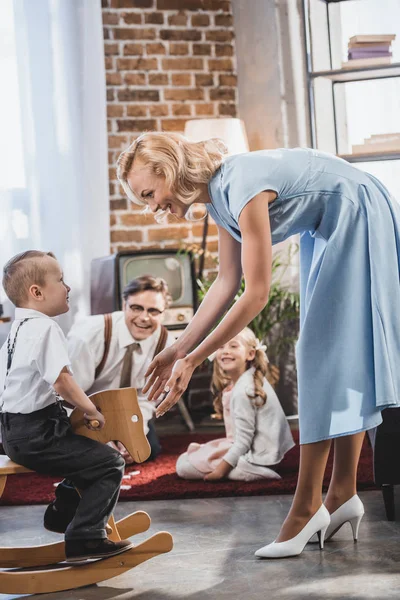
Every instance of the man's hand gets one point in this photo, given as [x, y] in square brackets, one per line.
[123, 451]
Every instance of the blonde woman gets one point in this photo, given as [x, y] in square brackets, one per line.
[347, 353]
[257, 432]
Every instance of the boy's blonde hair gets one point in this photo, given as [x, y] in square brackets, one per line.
[260, 363]
[22, 271]
[183, 164]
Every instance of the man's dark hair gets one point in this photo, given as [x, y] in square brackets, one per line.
[22, 271]
[146, 283]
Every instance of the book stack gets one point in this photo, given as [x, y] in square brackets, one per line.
[369, 51]
[385, 142]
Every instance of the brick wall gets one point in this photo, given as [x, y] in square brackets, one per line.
[166, 61]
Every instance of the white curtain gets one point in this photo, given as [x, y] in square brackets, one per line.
[53, 147]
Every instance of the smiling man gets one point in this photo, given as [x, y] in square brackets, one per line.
[117, 354]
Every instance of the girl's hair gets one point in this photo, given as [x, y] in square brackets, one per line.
[218, 384]
[260, 363]
[183, 164]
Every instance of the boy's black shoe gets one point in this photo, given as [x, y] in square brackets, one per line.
[61, 511]
[81, 550]
[55, 520]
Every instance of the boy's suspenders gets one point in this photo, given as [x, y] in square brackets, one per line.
[10, 356]
[162, 340]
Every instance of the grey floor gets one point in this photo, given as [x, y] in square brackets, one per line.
[213, 555]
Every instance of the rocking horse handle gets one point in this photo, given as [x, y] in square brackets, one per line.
[95, 423]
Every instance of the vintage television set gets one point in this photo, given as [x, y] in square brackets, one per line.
[110, 274]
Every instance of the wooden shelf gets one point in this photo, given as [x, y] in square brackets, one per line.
[348, 75]
[374, 156]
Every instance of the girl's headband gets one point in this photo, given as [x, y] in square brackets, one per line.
[259, 346]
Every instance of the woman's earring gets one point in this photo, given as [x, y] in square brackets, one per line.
[197, 212]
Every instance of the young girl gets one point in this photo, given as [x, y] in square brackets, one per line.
[257, 432]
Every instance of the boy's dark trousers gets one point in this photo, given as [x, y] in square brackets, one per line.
[44, 442]
[62, 510]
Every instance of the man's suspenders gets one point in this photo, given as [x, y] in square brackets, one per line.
[107, 342]
[162, 340]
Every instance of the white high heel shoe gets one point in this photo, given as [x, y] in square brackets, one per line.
[317, 524]
[351, 512]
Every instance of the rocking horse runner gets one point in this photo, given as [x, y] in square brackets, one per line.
[37, 433]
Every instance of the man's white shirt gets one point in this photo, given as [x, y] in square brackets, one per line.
[39, 357]
[86, 348]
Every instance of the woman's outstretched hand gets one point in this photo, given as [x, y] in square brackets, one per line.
[176, 384]
[159, 372]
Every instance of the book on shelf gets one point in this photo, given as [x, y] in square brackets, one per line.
[370, 149]
[382, 137]
[372, 50]
[352, 54]
[383, 142]
[375, 37]
[369, 46]
[360, 63]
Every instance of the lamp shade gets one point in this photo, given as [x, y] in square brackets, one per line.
[230, 130]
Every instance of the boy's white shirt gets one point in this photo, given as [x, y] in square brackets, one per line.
[39, 357]
[86, 346]
[261, 435]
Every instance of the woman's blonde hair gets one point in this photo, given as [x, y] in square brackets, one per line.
[260, 363]
[183, 164]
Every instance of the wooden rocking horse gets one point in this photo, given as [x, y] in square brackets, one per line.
[21, 569]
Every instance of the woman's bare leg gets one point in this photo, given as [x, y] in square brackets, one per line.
[308, 495]
[344, 475]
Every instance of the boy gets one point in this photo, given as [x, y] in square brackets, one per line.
[103, 362]
[36, 431]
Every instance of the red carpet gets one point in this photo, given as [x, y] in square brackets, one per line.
[157, 480]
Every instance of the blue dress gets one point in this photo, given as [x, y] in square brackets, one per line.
[349, 345]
